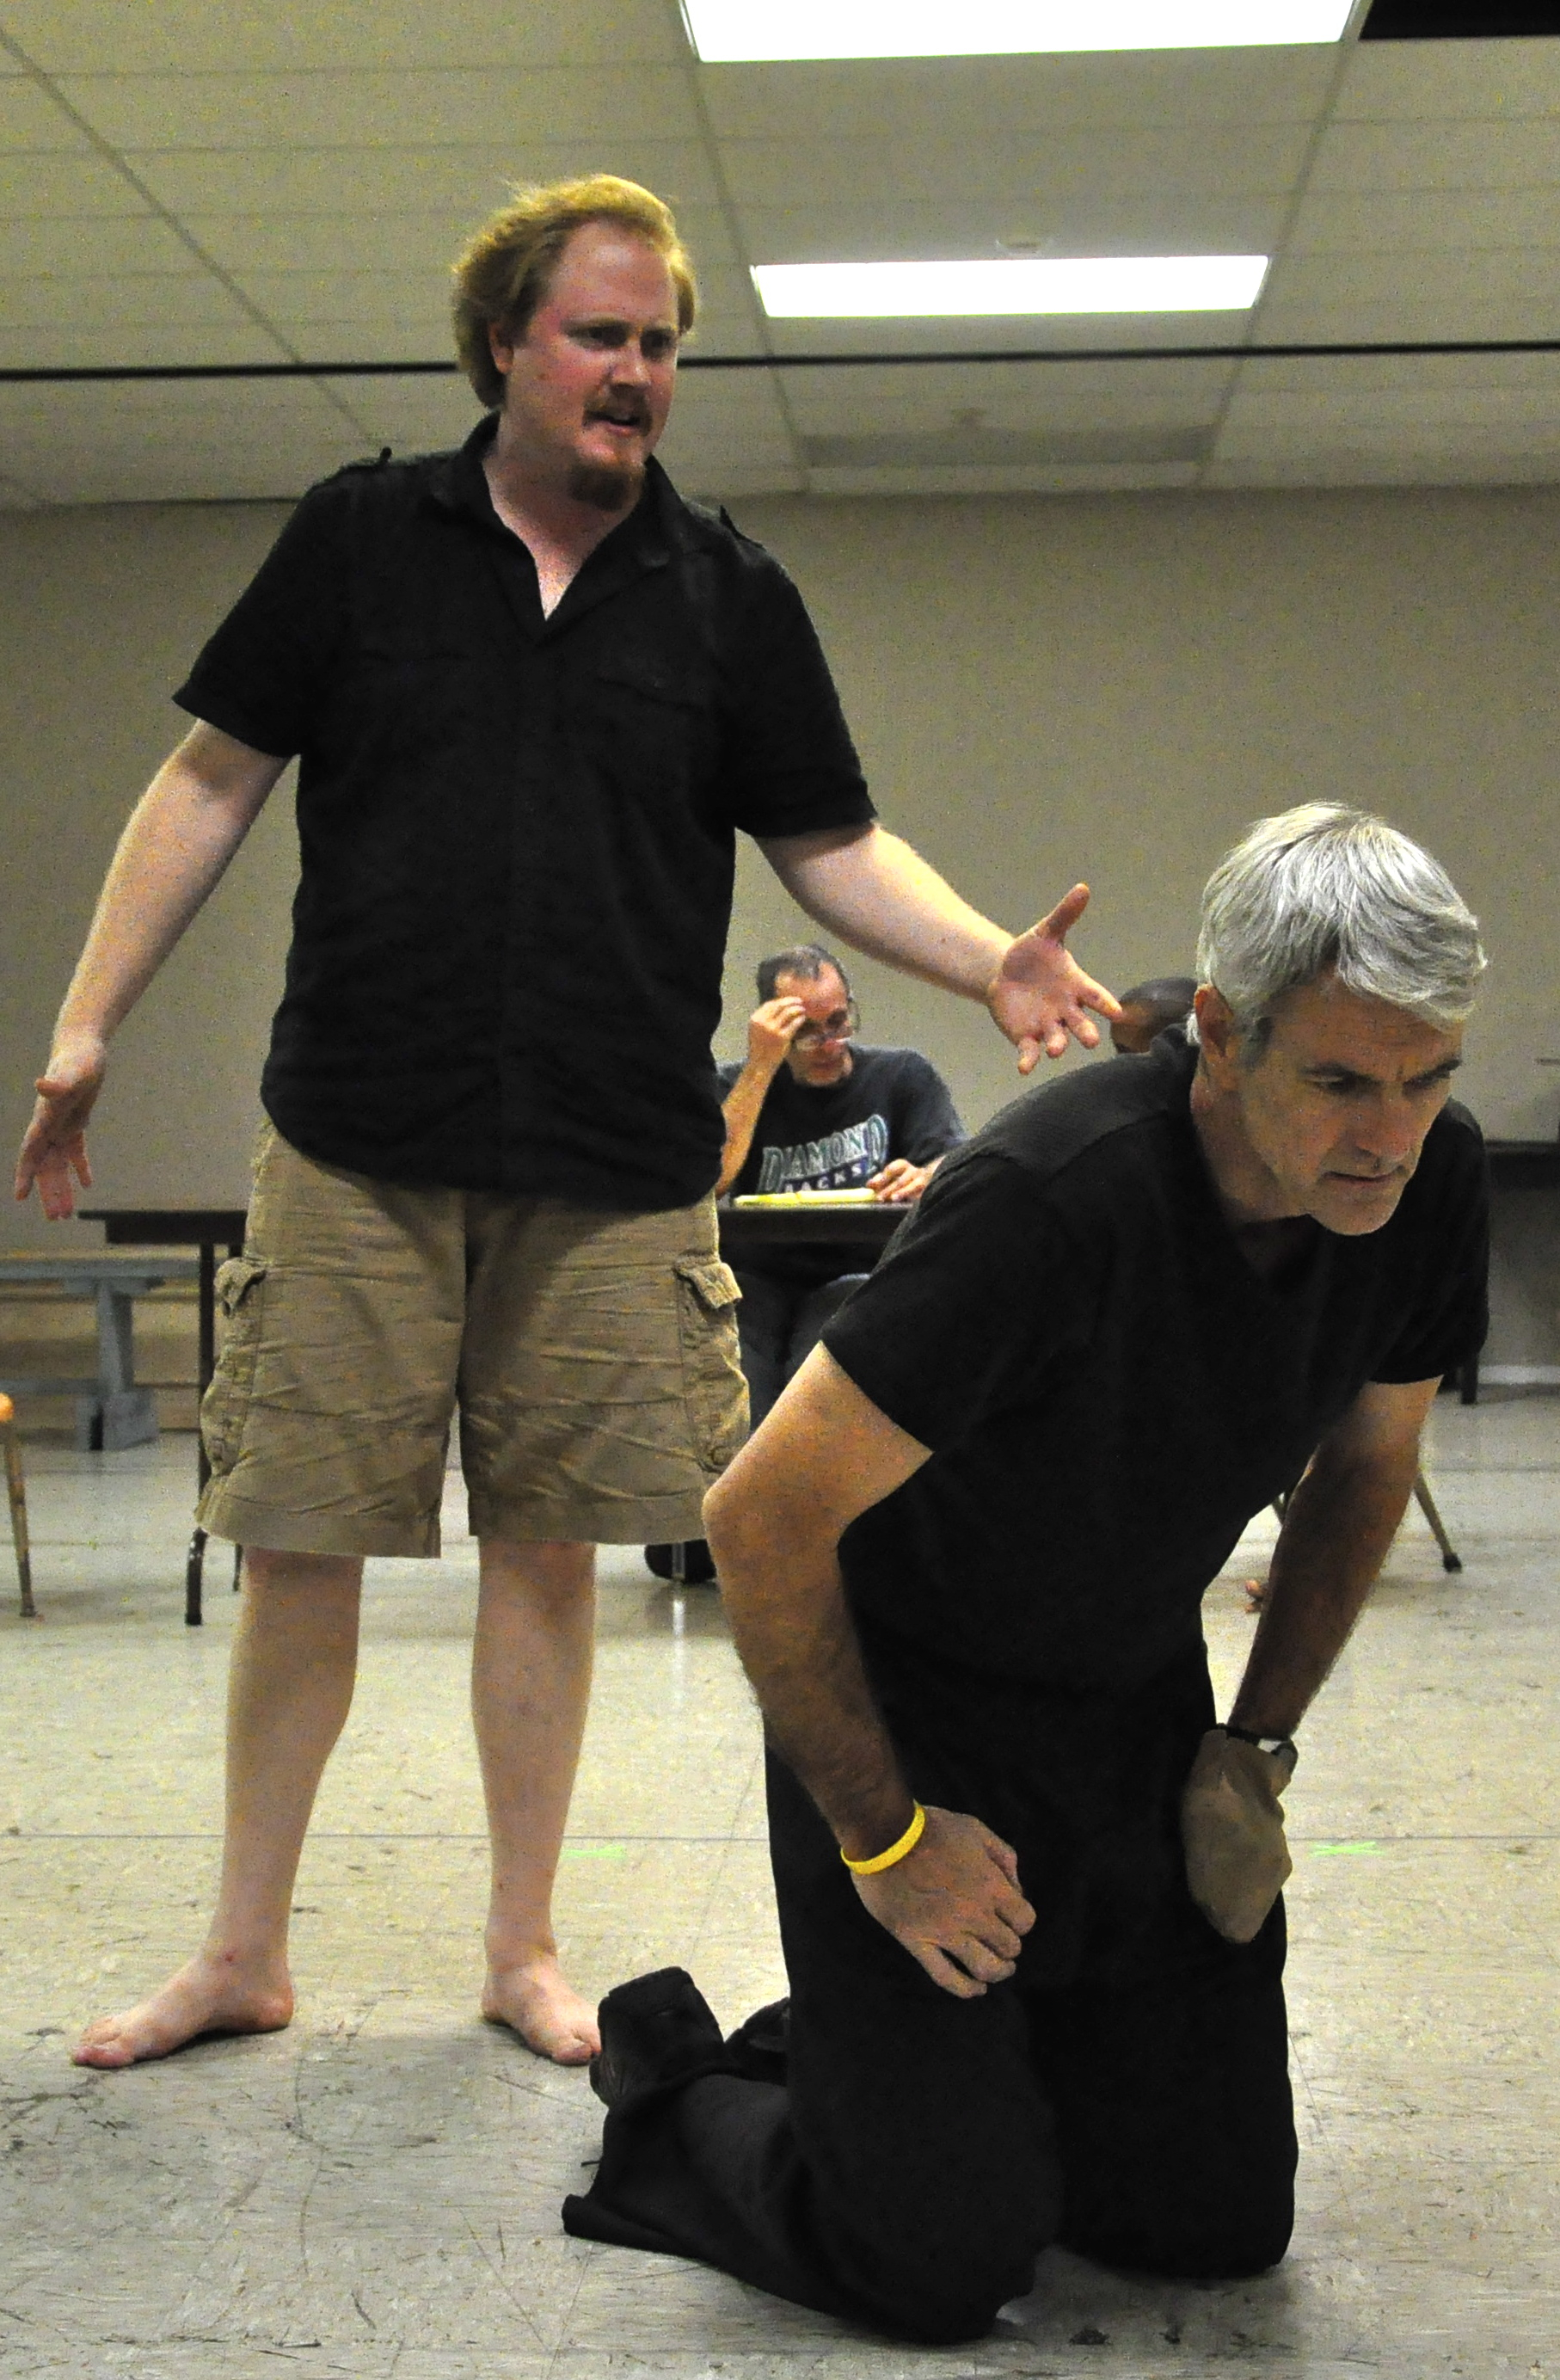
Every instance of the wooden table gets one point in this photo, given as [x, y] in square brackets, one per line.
[206, 1229]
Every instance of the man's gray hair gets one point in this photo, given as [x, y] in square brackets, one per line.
[1321, 890]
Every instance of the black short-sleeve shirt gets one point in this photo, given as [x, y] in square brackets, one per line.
[1110, 1391]
[517, 832]
[837, 1136]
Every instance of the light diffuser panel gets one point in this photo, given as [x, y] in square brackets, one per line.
[1074, 285]
[730, 29]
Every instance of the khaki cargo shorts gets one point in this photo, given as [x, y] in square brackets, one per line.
[592, 1358]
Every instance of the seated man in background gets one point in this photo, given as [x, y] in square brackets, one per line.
[1028, 1889]
[808, 1111]
[1147, 1008]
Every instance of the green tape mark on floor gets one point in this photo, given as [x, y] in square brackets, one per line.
[1346, 1851]
[595, 1850]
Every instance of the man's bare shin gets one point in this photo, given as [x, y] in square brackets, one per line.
[295, 1659]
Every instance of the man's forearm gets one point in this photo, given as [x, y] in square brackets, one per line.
[179, 839]
[801, 1652]
[882, 897]
[743, 1103]
[1341, 1521]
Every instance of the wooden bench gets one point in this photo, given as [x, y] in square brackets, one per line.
[111, 1410]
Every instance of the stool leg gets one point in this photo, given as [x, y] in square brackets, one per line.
[17, 1492]
[1450, 1557]
[194, 1563]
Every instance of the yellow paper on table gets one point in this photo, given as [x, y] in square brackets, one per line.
[807, 1198]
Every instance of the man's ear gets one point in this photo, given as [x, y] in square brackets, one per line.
[1216, 1031]
[501, 346]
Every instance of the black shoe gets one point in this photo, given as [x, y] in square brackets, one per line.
[760, 2049]
[695, 1569]
[653, 2030]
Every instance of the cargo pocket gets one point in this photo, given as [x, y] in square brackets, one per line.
[713, 1385]
[226, 1402]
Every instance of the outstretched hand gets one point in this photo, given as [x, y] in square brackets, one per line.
[54, 1145]
[954, 1903]
[1040, 995]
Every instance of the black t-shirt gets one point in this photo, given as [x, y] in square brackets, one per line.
[517, 833]
[837, 1136]
[1110, 1391]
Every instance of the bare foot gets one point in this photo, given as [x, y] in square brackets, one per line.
[206, 1995]
[547, 2013]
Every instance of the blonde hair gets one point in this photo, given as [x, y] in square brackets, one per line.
[501, 275]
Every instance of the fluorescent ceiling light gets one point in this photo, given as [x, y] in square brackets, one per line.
[939, 29]
[1070, 285]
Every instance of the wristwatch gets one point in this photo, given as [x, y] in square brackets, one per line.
[1263, 1742]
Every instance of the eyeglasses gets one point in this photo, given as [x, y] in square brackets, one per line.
[841, 1027]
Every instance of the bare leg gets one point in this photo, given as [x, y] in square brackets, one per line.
[531, 1684]
[294, 1657]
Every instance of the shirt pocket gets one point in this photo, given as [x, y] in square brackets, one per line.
[648, 724]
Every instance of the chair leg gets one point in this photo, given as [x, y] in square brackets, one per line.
[17, 1492]
[1450, 1557]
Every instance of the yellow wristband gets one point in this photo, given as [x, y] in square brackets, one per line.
[895, 1852]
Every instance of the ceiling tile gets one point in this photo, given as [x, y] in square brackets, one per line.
[470, 178]
[1019, 169]
[1414, 417]
[859, 229]
[415, 415]
[991, 334]
[112, 301]
[31, 119]
[1513, 279]
[1326, 373]
[1358, 459]
[80, 343]
[1032, 398]
[369, 110]
[1406, 81]
[986, 479]
[1477, 315]
[383, 241]
[65, 185]
[128, 415]
[224, 475]
[1407, 219]
[946, 100]
[1438, 156]
[347, 298]
[728, 434]
[93, 244]
[182, 37]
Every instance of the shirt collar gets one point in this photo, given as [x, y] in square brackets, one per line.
[458, 483]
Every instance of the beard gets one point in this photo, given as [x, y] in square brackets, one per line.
[607, 487]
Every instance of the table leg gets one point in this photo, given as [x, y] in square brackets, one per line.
[195, 1560]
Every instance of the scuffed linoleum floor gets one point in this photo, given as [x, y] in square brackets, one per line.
[375, 2192]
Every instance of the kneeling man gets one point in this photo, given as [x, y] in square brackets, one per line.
[1028, 1889]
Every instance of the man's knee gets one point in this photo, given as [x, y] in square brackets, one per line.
[1247, 2230]
[942, 2290]
[276, 1572]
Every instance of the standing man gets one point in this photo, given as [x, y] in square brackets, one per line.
[533, 696]
[1028, 1889]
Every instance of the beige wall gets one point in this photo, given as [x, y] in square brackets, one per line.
[1042, 690]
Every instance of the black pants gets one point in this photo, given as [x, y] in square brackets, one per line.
[780, 1323]
[1126, 2094]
